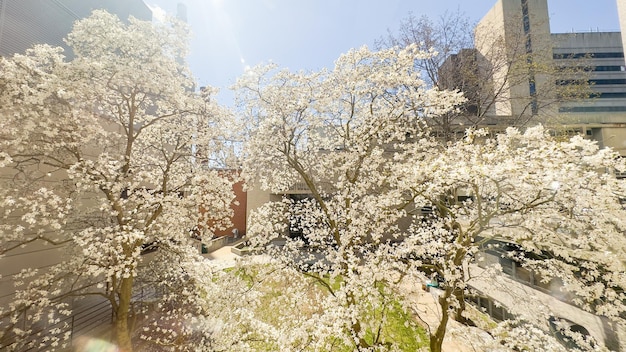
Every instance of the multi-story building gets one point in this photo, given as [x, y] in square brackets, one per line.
[27, 22]
[522, 28]
[602, 117]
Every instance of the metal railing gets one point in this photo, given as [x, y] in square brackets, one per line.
[84, 320]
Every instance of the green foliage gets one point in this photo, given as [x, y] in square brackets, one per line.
[399, 327]
[395, 325]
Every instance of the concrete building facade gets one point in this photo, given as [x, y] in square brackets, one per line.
[524, 27]
[518, 28]
[27, 22]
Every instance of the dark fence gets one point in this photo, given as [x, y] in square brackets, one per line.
[93, 316]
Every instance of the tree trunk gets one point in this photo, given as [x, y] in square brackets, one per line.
[362, 345]
[458, 313]
[122, 330]
[436, 338]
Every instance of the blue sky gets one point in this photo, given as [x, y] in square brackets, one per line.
[229, 35]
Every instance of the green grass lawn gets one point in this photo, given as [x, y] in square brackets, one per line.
[392, 325]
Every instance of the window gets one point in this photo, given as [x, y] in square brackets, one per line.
[593, 109]
[526, 18]
[523, 274]
[507, 265]
[608, 68]
[498, 313]
[611, 95]
[600, 82]
[590, 55]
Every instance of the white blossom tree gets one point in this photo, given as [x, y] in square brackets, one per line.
[109, 154]
[354, 137]
[338, 132]
[551, 207]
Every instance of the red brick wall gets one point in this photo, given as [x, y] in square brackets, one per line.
[239, 208]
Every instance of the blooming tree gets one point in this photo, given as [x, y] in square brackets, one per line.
[338, 133]
[381, 204]
[551, 208]
[107, 153]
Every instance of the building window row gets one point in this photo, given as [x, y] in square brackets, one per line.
[613, 55]
[607, 68]
[592, 109]
[598, 82]
[602, 82]
[490, 307]
[611, 95]
[599, 68]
